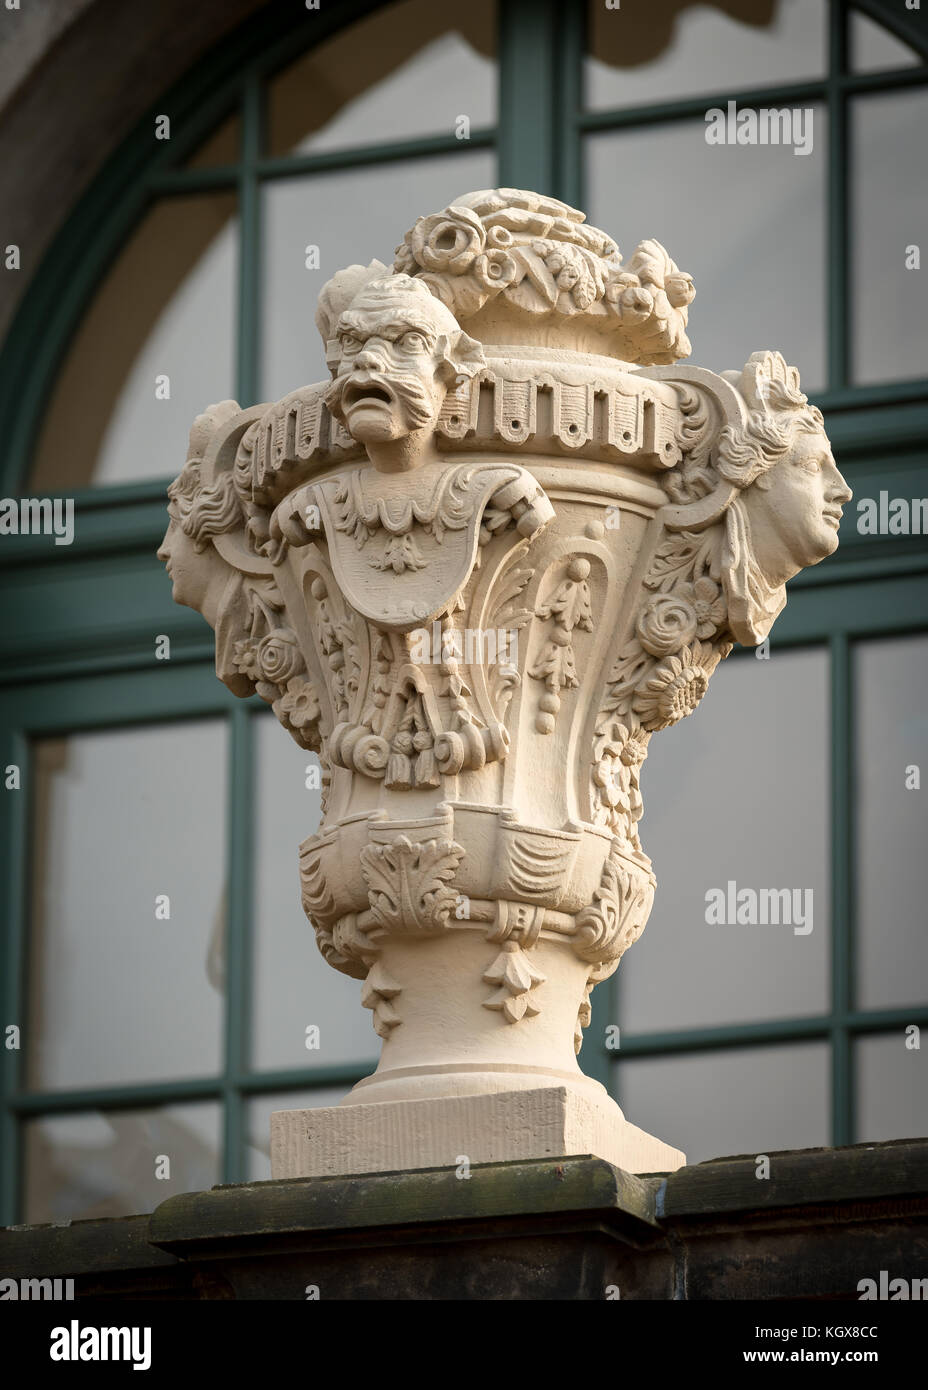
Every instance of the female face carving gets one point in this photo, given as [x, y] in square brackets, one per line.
[184, 564]
[794, 509]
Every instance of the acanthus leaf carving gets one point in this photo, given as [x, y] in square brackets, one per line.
[616, 917]
[408, 882]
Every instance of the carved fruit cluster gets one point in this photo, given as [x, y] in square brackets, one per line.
[542, 258]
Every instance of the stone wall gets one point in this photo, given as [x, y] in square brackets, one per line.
[573, 1228]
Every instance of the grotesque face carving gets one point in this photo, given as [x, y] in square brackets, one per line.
[397, 349]
[794, 508]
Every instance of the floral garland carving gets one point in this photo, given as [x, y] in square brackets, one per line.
[269, 658]
[662, 672]
[542, 258]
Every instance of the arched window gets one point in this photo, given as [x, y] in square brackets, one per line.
[157, 961]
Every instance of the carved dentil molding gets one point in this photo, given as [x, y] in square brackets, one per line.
[612, 519]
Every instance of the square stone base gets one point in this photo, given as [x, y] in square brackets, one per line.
[551, 1122]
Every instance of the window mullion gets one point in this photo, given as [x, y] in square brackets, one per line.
[838, 248]
[240, 878]
[528, 73]
[842, 953]
[249, 211]
[568, 102]
[14, 814]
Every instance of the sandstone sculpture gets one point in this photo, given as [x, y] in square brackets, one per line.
[475, 572]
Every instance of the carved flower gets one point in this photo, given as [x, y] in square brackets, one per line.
[635, 750]
[278, 656]
[300, 704]
[708, 605]
[629, 300]
[675, 688]
[630, 749]
[494, 270]
[618, 757]
[608, 778]
[244, 658]
[667, 623]
[446, 241]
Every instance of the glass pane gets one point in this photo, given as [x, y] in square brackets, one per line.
[758, 260]
[259, 1122]
[874, 48]
[93, 1165]
[118, 992]
[892, 1087]
[891, 745]
[406, 71]
[716, 1104]
[294, 987]
[352, 216]
[737, 793]
[223, 146]
[166, 309]
[889, 179]
[642, 53]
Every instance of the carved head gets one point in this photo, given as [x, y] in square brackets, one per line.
[395, 352]
[792, 492]
[177, 551]
[197, 513]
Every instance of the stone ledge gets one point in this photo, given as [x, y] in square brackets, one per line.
[545, 1229]
[798, 1177]
[203, 1222]
[93, 1253]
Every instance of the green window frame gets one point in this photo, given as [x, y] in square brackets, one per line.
[83, 660]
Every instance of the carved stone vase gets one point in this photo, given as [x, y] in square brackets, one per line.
[475, 572]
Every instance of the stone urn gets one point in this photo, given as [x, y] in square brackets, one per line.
[508, 542]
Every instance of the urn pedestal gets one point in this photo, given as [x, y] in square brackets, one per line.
[475, 572]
